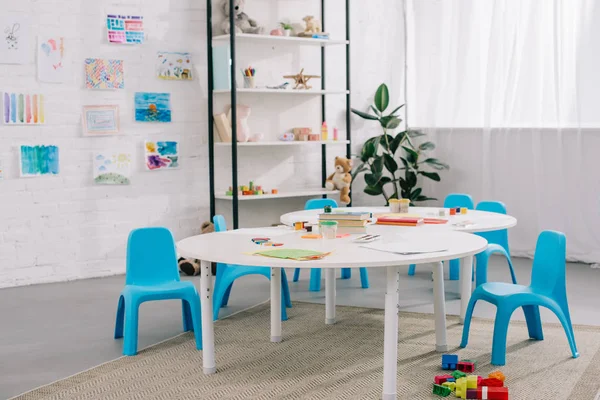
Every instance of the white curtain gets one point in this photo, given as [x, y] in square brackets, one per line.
[508, 90]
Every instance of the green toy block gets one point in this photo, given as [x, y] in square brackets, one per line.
[441, 390]
[458, 374]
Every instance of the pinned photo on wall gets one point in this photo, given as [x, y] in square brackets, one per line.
[38, 160]
[23, 108]
[174, 66]
[51, 60]
[104, 74]
[112, 168]
[152, 107]
[161, 155]
[16, 44]
[100, 120]
[125, 29]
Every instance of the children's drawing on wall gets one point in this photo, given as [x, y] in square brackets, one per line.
[152, 107]
[1, 171]
[51, 60]
[15, 44]
[39, 160]
[100, 120]
[125, 29]
[174, 66]
[161, 155]
[104, 74]
[112, 168]
[23, 109]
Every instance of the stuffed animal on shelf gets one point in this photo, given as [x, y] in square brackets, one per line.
[341, 179]
[312, 25]
[243, 23]
[189, 266]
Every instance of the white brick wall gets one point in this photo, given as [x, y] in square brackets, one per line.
[65, 227]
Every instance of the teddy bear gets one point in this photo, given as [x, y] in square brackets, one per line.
[312, 25]
[341, 179]
[243, 23]
[189, 266]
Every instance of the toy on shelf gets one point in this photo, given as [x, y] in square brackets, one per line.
[257, 137]
[314, 137]
[283, 86]
[341, 179]
[449, 361]
[243, 129]
[324, 131]
[274, 191]
[277, 32]
[287, 29]
[302, 134]
[249, 190]
[243, 23]
[313, 27]
[287, 137]
[301, 80]
[249, 74]
[335, 134]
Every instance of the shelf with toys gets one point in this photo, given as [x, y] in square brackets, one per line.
[309, 92]
[272, 40]
[283, 143]
[280, 194]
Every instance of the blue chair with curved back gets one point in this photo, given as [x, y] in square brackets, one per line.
[497, 244]
[152, 274]
[315, 273]
[227, 274]
[548, 289]
[453, 200]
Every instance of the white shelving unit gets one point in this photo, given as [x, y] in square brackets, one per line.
[282, 143]
[281, 195]
[268, 39]
[300, 92]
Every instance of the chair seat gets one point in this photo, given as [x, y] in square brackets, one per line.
[168, 290]
[501, 289]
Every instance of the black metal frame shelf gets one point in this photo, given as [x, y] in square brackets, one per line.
[234, 92]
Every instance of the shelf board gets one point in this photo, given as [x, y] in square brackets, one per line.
[282, 143]
[281, 195]
[291, 40]
[313, 92]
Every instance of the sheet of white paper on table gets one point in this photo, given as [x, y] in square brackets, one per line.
[405, 247]
[261, 232]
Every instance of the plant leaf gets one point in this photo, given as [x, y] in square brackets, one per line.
[382, 97]
[431, 175]
[372, 179]
[373, 190]
[414, 134]
[425, 198]
[384, 180]
[427, 146]
[404, 162]
[416, 193]
[377, 166]
[437, 164]
[393, 123]
[396, 109]
[390, 163]
[411, 179]
[375, 111]
[413, 156]
[364, 115]
[382, 140]
[398, 139]
[369, 150]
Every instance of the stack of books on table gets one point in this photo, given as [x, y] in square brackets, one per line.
[348, 222]
[399, 220]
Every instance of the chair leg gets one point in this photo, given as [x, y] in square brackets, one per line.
[454, 270]
[411, 269]
[364, 278]
[534, 322]
[315, 280]
[285, 290]
[564, 317]
[346, 273]
[130, 340]
[226, 296]
[195, 315]
[218, 294]
[120, 318]
[296, 274]
[187, 316]
[467, 323]
[500, 330]
[482, 269]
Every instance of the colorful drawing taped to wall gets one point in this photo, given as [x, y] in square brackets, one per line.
[14, 48]
[23, 109]
[125, 29]
[161, 155]
[104, 74]
[152, 107]
[112, 168]
[174, 66]
[100, 120]
[39, 160]
[1, 171]
[51, 60]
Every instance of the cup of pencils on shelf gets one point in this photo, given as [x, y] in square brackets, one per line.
[249, 74]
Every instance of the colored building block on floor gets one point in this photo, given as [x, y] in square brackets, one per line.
[449, 361]
[458, 374]
[449, 385]
[493, 382]
[471, 381]
[451, 379]
[488, 393]
[467, 367]
[438, 380]
[498, 375]
[474, 362]
[460, 390]
[441, 390]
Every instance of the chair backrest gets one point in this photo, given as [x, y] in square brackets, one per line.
[549, 263]
[454, 200]
[315, 204]
[496, 237]
[151, 257]
[220, 224]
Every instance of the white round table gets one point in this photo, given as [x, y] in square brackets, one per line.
[235, 247]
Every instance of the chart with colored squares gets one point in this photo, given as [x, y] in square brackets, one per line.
[125, 29]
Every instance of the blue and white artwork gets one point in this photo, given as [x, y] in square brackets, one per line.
[112, 168]
[39, 160]
[152, 107]
[161, 155]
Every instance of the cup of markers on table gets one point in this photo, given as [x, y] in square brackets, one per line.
[249, 74]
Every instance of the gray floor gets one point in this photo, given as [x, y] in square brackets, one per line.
[49, 332]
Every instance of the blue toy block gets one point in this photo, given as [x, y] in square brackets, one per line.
[449, 361]
[450, 380]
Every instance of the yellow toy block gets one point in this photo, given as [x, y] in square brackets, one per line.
[461, 388]
[449, 385]
[471, 381]
[498, 375]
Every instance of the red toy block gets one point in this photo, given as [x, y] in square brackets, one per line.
[492, 382]
[441, 379]
[466, 367]
[492, 393]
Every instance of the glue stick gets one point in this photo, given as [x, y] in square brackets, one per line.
[335, 133]
[324, 132]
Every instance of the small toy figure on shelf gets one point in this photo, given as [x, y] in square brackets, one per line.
[283, 86]
[243, 23]
[286, 137]
[277, 32]
[287, 29]
[324, 132]
[301, 80]
[302, 134]
[341, 179]
[313, 26]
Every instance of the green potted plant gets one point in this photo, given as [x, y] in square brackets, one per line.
[379, 156]
[287, 28]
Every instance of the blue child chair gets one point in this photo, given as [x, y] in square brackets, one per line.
[548, 289]
[453, 200]
[152, 274]
[227, 274]
[315, 273]
[497, 243]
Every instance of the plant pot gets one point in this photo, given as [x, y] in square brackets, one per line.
[287, 32]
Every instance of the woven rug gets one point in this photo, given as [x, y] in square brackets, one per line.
[341, 361]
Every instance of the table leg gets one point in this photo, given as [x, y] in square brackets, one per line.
[275, 305]
[390, 336]
[330, 296]
[466, 275]
[439, 307]
[208, 332]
